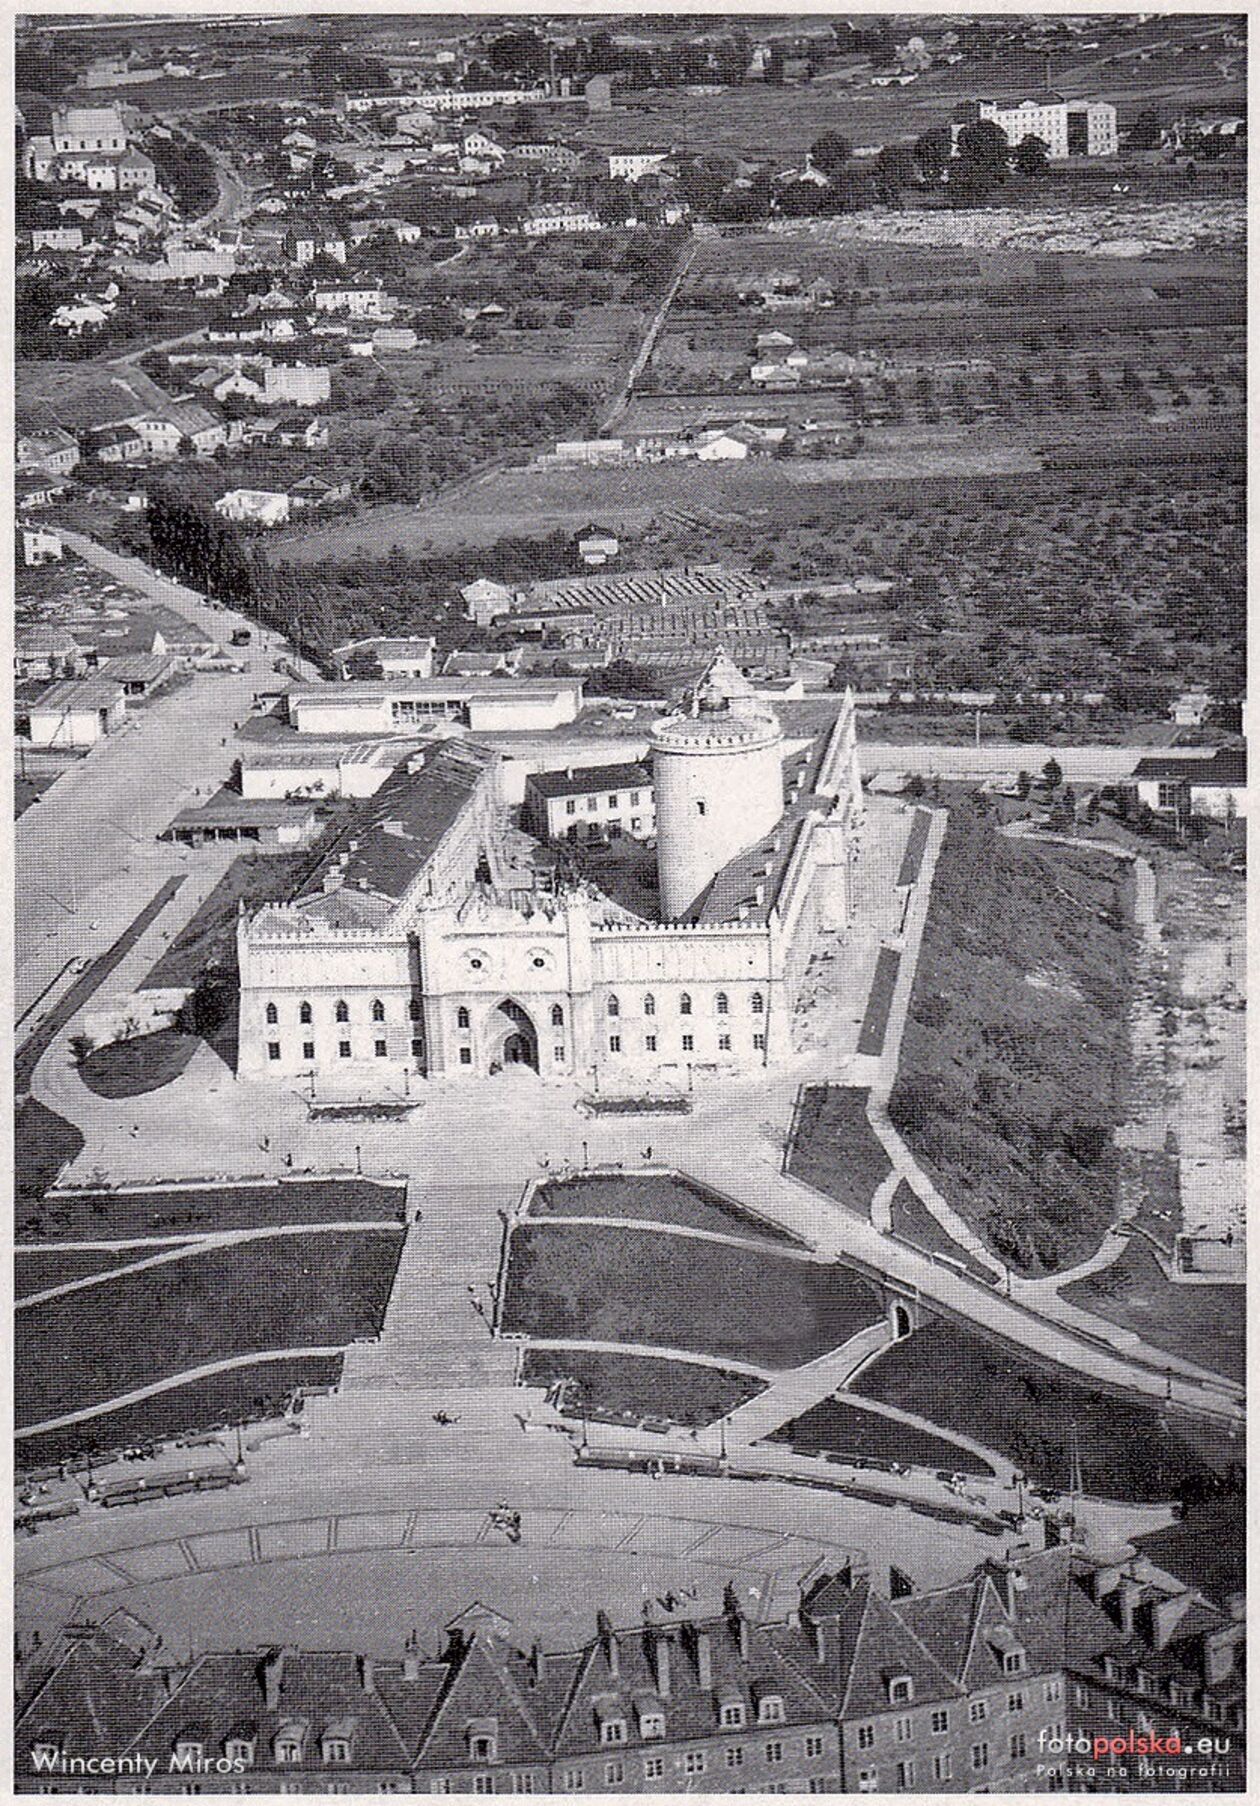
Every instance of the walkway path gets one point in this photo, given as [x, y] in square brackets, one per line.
[690, 1357]
[187, 1377]
[793, 1393]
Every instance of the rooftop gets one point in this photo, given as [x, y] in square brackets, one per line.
[78, 693]
[578, 780]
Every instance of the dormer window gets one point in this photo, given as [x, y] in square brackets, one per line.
[731, 1714]
[613, 1730]
[1013, 1662]
[651, 1725]
[483, 1746]
[239, 1750]
[770, 1709]
[336, 1749]
[188, 1751]
[900, 1690]
[288, 1747]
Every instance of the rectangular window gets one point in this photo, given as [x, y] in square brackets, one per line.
[813, 1747]
[1083, 1696]
[523, 1783]
[634, 799]
[693, 1762]
[977, 1710]
[653, 1768]
[759, 1042]
[612, 801]
[1014, 1702]
[381, 1050]
[905, 1775]
[636, 823]
[273, 1050]
[940, 1723]
[865, 1736]
[1053, 1691]
[483, 1783]
[557, 1054]
[570, 808]
[902, 1730]
[417, 1050]
[614, 1771]
[465, 1056]
[734, 1757]
[614, 1043]
[774, 1751]
[308, 1050]
[573, 1780]
[979, 1755]
[592, 802]
[343, 1050]
[724, 1043]
[689, 1042]
[942, 1766]
[649, 1041]
[1019, 1744]
[868, 1780]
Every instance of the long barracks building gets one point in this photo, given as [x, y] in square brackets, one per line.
[990, 1685]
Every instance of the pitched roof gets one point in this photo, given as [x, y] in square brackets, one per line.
[580, 779]
[93, 1700]
[1226, 766]
[75, 693]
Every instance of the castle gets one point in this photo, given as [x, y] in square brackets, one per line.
[431, 937]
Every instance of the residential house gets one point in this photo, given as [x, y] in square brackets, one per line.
[1191, 708]
[591, 802]
[564, 216]
[56, 238]
[312, 434]
[76, 712]
[485, 601]
[47, 449]
[39, 545]
[1182, 788]
[37, 488]
[46, 652]
[365, 299]
[303, 244]
[140, 673]
[396, 657]
[596, 545]
[484, 226]
[235, 383]
[88, 129]
[299, 385]
[632, 166]
[318, 492]
[255, 507]
[121, 444]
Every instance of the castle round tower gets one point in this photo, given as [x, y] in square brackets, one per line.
[718, 772]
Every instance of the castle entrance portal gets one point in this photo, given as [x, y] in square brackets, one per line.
[511, 1037]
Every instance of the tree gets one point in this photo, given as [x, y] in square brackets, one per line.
[1052, 774]
[80, 1047]
[932, 152]
[830, 153]
[893, 170]
[915, 786]
[1031, 154]
[983, 157]
[1146, 132]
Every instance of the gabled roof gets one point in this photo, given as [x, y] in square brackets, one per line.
[581, 779]
[92, 1702]
[1227, 766]
[490, 1680]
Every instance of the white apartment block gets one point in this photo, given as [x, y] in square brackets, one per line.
[1068, 128]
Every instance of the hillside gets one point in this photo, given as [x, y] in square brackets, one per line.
[1015, 1054]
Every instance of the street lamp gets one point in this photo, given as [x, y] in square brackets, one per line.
[358, 1158]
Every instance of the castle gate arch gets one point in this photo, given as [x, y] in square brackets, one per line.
[511, 1038]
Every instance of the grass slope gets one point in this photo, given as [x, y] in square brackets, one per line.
[640, 1385]
[913, 1222]
[240, 1396]
[43, 1144]
[658, 1199]
[146, 1063]
[951, 1377]
[1206, 1324]
[37, 1269]
[594, 1284]
[288, 1291]
[1015, 1051]
[840, 1427]
[115, 1214]
[834, 1147]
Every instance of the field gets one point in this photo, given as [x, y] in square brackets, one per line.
[638, 1386]
[1202, 1323]
[241, 1395]
[286, 1291]
[585, 1283]
[839, 1427]
[658, 1199]
[1013, 1062]
[115, 1215]
[834, 1147]
[952, 1378]
[913, 1222]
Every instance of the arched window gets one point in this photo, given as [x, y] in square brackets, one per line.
[343, 1010]
[722, 1004]
[758, 1004]
[378, 1010]
[304, 1012]
[614, 1006]
[462, 1018]
[649, 1004]
[273, 1015]
[684, 1004]
[557, 1016]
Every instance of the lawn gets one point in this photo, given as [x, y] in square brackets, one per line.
[241, 1395]
[584, 1282]
[1026, 1411]
[835, 1149]
[1205, 1324]
[208, 942]
[287, 1291]
[640, 1385]
[840, 1427]
[1208, 1549]
[658, 1199]
[143, 1064]
[1015, 1054]
[113, 1215]
[913, 1222]
[43, 1145]
[37, 1269]
[879, 1003]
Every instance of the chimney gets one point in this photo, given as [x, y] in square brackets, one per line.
[411, 1663]
[660, 1662]
[272, 1678]
[367, 1674]
[820, 1641]
[609, 1644]
[704, 1660]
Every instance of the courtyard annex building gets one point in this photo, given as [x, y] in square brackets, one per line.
[975, 1687]
[431, 938]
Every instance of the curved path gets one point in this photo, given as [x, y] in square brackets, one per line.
[688, 1356]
